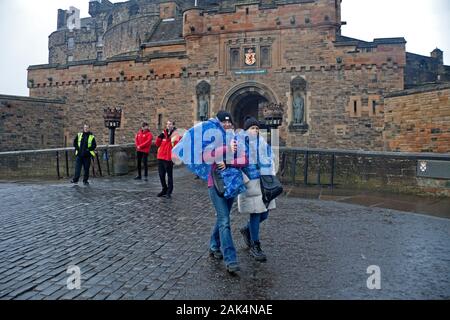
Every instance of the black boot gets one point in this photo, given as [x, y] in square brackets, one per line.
[257, 252]
[162, 193]
[233, 268]
[246, 235]
[216, 253]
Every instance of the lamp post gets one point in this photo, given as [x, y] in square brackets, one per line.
[273, 116]
[112, 118]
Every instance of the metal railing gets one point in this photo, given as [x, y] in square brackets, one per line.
[333, 153]
[63, 154]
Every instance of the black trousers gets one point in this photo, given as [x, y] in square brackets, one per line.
[166, 167]
[84, 162]
[142, 157]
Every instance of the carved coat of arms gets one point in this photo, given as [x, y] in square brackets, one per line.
[250, 57]
[423, 166]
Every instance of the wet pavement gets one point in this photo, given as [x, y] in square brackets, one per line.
[129, 244]
[429, 205]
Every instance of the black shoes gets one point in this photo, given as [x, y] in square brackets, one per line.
[76, 182]
[257, 252]
[138, 178]
[145, 178]
[216, 253]
[233, 268]
[162, 193]
[246, 235]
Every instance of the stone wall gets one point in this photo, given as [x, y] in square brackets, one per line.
[421, 70]
[377, 171]
[31, 123]
[161, 82]
[115, 29]
[126, 37]
[83, 47]
[44, 164]
[418, 120]
[174, 97]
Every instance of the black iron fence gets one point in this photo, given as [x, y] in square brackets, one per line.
[59, 163]
[349, 167]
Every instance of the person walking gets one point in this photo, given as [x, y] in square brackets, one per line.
[165, 142]
[251, 202]
[219, 164]
[221, 241]
[143, 141]
[85, 145]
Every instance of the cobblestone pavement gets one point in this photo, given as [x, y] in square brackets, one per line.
[129, 244]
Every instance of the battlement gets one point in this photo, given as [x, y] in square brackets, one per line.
[116, 29]
[97, 7]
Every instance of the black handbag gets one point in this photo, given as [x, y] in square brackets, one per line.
[270, 188]
[218, 183]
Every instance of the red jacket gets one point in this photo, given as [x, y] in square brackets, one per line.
[166, 144]
[143, 141]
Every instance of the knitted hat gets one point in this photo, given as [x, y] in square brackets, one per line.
[224, 116]
[250, 122]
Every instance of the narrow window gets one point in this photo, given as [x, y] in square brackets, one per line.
[71, 44]
[160, 121]
[234, 57]
[265, 57]
[355, 107]
[374, 107]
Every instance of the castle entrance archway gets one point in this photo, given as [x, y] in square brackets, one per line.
[248, 99]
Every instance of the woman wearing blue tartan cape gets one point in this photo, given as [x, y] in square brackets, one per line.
[204, 148]
[251, 202]
[198, 150]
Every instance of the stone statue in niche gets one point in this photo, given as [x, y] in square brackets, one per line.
[298, 106]
[203, 107]
[298, 94]
[203, 96]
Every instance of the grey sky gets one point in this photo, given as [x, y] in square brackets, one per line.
[26, 24]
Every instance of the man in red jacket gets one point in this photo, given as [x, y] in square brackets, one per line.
[143, 141]
[165, 142]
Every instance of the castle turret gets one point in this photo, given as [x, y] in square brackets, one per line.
[192, 21]
[438, 54]
[98, 6]
[69, 19]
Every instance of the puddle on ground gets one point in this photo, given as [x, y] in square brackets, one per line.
[434, 206]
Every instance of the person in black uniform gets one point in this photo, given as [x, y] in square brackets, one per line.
[85, 145]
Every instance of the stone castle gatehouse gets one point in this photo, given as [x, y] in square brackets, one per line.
[185, 60]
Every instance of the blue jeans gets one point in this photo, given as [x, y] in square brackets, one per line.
[253, 225]
[221, 233]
